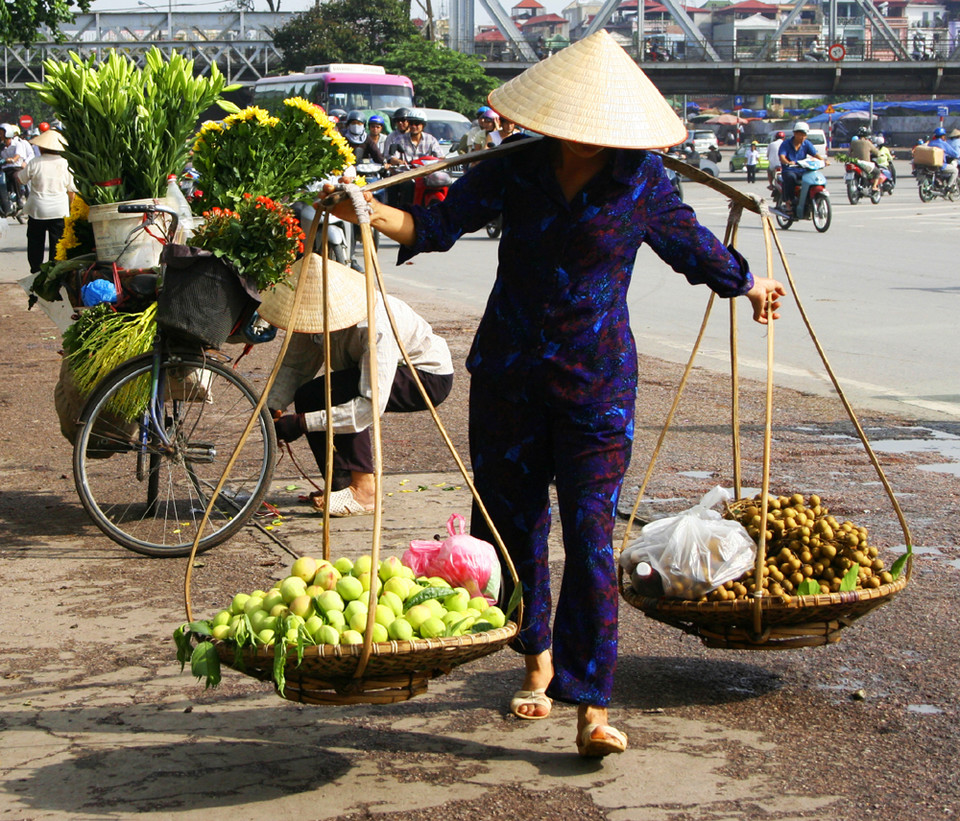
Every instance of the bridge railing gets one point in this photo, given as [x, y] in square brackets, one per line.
[920, 44]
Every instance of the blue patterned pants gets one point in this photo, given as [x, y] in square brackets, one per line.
[517, 446]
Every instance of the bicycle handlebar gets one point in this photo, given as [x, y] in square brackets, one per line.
[152, 208]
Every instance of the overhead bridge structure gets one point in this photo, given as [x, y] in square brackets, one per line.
[241, 44]
[749, 77]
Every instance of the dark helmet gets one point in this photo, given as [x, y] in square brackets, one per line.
[337, 113]
[400, 114]
[355, 114]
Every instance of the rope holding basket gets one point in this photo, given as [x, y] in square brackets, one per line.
[371, 672]
[761, 622]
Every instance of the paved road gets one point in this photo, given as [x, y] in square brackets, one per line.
[98, 721]
[877, 288]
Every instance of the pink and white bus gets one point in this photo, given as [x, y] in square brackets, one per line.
[338, 85]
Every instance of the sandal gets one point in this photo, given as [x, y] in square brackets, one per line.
[535, 698]
[610, 741]
[342, 504]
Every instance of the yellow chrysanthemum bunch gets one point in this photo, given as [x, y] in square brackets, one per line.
[256, 153]
[77, 236]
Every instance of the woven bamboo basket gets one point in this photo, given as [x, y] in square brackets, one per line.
[395, 671]
[762, 622]
[371, 672]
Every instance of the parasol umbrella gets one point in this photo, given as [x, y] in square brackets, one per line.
[725, 119]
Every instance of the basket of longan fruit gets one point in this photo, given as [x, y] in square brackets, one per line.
[814, 575]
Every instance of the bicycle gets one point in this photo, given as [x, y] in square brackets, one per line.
[146, 482]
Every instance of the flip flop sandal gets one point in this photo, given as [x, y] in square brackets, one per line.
[534, 698]
[342, 504]
[612, 741]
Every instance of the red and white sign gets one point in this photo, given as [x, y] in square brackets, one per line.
[837, 52]
[26, 121]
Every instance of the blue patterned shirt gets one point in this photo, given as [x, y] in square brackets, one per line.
[558, 309]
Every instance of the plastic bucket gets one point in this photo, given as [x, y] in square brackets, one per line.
[120, 239]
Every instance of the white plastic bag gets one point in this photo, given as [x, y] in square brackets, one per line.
[695, 551]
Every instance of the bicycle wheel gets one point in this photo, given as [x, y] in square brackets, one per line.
[149, 495]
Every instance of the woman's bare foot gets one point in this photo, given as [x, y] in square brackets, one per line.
[595, 737]
[539, 672]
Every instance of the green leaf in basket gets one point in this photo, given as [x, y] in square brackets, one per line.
[181, 637]
[426, 593]
[245, 634]
[808, 587]
[897, 567]
[514, 602]
[279, 666]
[481, 627]
[850, 579]
[205, 663]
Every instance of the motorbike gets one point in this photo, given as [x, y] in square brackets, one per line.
[430, 188]
[860, 182]
[341, 235]
[817, 206]
[16, 193]
[932, 183]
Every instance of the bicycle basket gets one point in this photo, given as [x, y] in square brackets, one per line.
[203, 299]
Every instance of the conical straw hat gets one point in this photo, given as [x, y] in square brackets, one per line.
[51, 140]
[348, 298]
[591, 92]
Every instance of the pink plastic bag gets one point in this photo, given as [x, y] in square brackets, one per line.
[460, 559]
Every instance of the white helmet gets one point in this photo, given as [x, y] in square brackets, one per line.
[10, 131]
[802, 126]
[878, 140]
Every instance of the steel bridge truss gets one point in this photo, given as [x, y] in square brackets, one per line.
[239, 43]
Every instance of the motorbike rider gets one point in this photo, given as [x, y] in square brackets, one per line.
[339, 117]
[485, 134]
[401, 125]
[867, 156]
[884, 161]
[364, 145]
[792, 151]
[507, 128]
[14, 155]
[416, 142]
[375, 126]
[773, 157]
[950, 155]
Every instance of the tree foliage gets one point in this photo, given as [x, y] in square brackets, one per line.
[442, 78]
[343, 31]
[23, 21]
